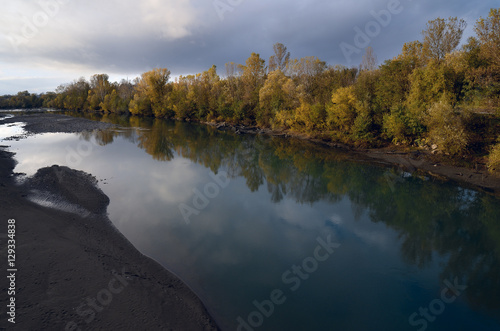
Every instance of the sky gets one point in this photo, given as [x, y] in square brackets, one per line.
[46, 43]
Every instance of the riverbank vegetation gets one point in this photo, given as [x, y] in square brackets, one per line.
[433, 95]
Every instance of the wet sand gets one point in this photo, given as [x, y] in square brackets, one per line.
[76, 272]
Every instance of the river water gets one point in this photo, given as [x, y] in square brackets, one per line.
[280, 234]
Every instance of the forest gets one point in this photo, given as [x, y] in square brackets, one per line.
[439, 93]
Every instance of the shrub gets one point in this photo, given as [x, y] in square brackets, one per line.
[446, 129]
[361, 129]
[494, 159]
[400, 126]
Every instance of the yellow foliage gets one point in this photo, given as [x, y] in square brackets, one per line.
[283, 119]
[151, 93]
[431, 84]
[342, 113]
[302, 116]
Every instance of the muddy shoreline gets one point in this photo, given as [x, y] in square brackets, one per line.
[77, 272]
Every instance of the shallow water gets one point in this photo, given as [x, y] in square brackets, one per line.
[405, 252]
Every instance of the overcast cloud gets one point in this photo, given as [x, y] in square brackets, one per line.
[49, 42]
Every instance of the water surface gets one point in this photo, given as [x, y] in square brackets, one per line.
[261, 211]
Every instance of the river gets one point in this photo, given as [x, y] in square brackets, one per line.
[280, 234]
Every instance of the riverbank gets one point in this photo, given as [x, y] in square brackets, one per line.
[75, 270]
[427, 162]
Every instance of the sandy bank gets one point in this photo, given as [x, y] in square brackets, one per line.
[80, 273]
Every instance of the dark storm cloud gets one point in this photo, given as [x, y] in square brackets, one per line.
[126, 38]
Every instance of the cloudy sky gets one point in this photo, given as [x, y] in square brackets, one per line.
[48, 42]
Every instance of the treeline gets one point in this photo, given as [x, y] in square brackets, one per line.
[97, 95]
[433, 94]
[23, 100]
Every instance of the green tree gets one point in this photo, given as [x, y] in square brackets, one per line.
[398, 126]
[393, 85]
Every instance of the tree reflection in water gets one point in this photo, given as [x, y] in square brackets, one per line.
[431, 217]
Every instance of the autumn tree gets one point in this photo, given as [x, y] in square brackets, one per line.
[413, 54]
[429, 85]
[342, 112]
[280, 59]
[254, 71]
[412, 98]
[252, 78]
[179, 97]
[99, 88]
[277, 96]
[74, 95]
[111, 103]
[152, 94]
[48, 99]
[233, 75]
[208, 93]
[332, 78]
[228, 94]
[488, 34]
[442, 36]
[398, 126]
[307, 72]
[482, 55]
